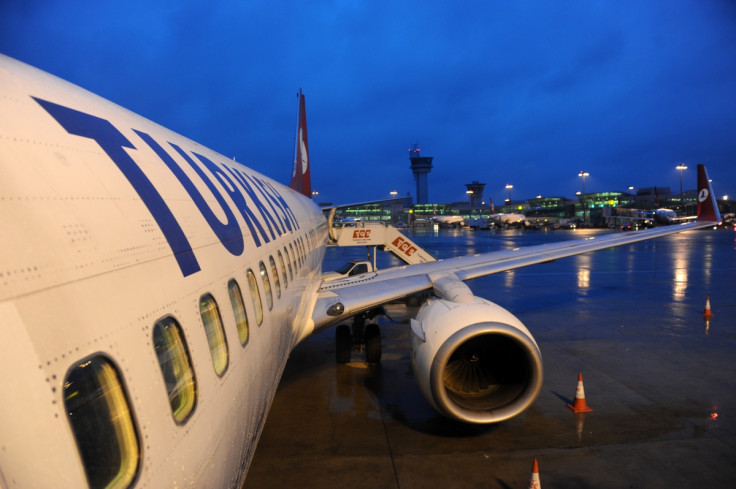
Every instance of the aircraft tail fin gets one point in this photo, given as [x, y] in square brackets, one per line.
[301, 174]
[707, 205]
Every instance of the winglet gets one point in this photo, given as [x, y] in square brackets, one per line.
[707, 206]
[300, 175]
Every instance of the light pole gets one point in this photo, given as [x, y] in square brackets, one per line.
[583, 174]
[509, 187]
[682, 168]
[582, 196]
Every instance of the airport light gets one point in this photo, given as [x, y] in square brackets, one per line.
[682, 168]
[509, 187]
[393, 193]
[584, 174]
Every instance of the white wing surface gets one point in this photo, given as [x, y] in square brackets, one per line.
[356, 294]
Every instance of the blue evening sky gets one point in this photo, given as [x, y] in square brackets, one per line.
[521, 92]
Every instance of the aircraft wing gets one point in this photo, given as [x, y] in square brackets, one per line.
[340, 299]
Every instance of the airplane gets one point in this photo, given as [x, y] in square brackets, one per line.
[634, 218]
[669, 216]
[510, 219]
[450, 221]
[151, 291]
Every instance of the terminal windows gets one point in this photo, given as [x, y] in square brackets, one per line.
[241, 318]
[99, 414]
[215, 333]
[255, 296]
[176, 368]
[266, 285]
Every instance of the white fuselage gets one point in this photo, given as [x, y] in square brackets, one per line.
[102, 236]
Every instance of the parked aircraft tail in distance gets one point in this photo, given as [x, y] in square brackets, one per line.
[707, 206]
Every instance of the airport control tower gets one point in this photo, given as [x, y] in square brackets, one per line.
[420, 166]
[475, 192]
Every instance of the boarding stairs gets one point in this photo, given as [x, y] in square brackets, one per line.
[378, 235]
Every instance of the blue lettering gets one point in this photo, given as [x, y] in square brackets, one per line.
[268, 219]
[238, 199]
[259, 184]
[229, 232]
[278, 201]
[112, 143]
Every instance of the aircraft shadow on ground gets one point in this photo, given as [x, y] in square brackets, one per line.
[400, 399]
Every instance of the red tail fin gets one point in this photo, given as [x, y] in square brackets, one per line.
[707, 206]
[300, 176]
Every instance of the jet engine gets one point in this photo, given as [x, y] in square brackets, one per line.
[474, 361]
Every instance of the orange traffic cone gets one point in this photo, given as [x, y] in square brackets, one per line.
[580, 406]
[534, 481]
[707, 313]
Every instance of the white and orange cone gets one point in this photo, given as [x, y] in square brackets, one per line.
[707, 313]
[580, 406]
[534, 481]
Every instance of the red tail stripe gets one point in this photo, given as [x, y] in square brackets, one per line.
[301, 179]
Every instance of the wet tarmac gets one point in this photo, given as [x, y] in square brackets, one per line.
[661, 381]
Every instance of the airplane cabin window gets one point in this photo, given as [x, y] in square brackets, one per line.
[255, 296]
[288, 262]
[241, 318]
[296, 258]
[300, 251]
[275, 273]
[266, 285]
[283, 270]
[99, 414]
[215, 334]
[176, 368]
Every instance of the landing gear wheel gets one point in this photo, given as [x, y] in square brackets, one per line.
[372, 343]
[343, 344]
[358, 331]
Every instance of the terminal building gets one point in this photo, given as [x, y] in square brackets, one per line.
[593, 209]
[590, 208]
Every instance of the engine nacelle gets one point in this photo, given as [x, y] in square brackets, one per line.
[475, 361]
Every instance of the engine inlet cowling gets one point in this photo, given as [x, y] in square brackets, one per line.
[475, 362]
